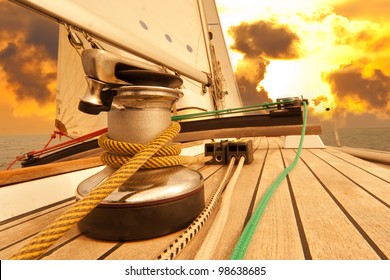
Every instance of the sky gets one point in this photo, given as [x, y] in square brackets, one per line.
[336, 53]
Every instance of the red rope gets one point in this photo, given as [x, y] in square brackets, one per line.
[47, 149]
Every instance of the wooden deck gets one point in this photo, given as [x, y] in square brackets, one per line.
[331, 206]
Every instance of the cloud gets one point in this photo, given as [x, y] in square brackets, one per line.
[26, 73]
[249, 73]
[37, 30]
[42, 32]
[376, 10]
[320, 100]
[28, 52]
[265, 38]
[369, 36]
[359, 92]
[258, 41]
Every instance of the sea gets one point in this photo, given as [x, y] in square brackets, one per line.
[12, 146]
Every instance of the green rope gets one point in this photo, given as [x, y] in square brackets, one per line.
[247, 234]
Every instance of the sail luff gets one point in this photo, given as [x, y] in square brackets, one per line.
[232, 98]
[205, 29]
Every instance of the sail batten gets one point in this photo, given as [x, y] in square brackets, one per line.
[168, 33]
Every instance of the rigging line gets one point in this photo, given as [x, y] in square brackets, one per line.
[243, 242]
[192, 82]
[206, 251]
[175, 247]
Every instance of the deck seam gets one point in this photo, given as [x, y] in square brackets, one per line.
[353, 181]
[255, 191]
[110, 251]
[10, 220]
[215, 171]
[326, 151]
[298, 219]
[51, 251]
[363, 233]
[18, 241]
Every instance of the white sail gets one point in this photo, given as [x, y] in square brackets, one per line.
[173, 33]
[170, 33]
[71, 84]
[224, 93]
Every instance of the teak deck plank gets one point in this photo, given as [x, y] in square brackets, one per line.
[370, 216]
[320, 216]
[365, 166]
[80, 247]
[18, 234]
[332, 206]
[17, 230]
[378, 187]
[277, 235]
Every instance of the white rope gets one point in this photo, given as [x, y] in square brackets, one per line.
[175, 248]
[210, 243]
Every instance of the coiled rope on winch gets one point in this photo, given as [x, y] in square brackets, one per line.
[119, 153]
[50, 234]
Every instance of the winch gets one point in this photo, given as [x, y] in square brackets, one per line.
[138, 98]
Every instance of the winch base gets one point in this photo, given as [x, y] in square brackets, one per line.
[125, 223]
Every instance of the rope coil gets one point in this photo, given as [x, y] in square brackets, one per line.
[54, 231]
[119, 153]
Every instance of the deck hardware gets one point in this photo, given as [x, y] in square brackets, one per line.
[218, 151]
[224, 150]
[153, 202]
[105, 70]
[239, 148]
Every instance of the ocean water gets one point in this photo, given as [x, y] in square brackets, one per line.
[12, 146]
[368, 138]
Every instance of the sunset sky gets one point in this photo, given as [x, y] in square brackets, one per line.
[336, 53]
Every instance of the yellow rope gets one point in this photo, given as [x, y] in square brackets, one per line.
[117, 161]
[130, 149]
[49, 235]
[119, 153]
